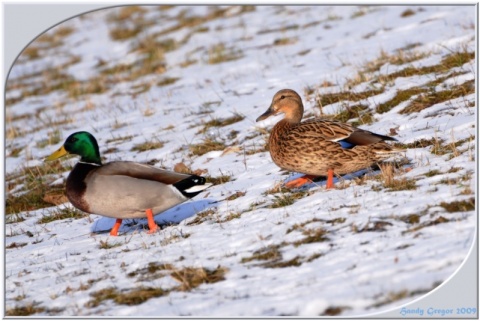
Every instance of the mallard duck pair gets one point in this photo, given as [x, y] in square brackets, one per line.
[131, 190]
[122, 189]
[320, 147]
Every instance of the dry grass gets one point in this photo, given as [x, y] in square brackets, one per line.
[203, 216]
[430, 222]
[148, 145]
[220, 53]
[407, 13]
[30, 53]
[360, 114]
[327, 99]
[267, 253]
[455, 59]
[188, 278]
[312, 235]
[192, 22]
[401, 96]
[36, 185]
[301, 226]
[390, 297]
[230, 216]
[133, 297]
[50, 39]
[287, 199]
[48, 81]
[15, 245]
[334, 310]
[432, 172]
[393, 184]
[428, 99]
[279, 30]
[459, 180]
[459, 206]
[220, 122]
[402, 184]
[217, 180]
[128, 22]
[62, 214]
[54, 138]
[285, 196]
[285, 41]
[55, 36]
[439, 147]
[206, 146]
[271, 257]
[25, 310]
[152, 271]
[105, 244]
[167, 81]
[119, 139]
[235, 195]
[401, 57]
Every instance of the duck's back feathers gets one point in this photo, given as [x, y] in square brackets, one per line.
[141, 171]
[333, 131]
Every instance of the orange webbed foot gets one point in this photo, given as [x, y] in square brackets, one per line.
[153, 227]
[299, 182]
[116, 227]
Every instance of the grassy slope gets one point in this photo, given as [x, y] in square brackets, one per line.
[419, 93]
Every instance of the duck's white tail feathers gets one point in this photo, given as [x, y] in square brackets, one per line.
[198, 188]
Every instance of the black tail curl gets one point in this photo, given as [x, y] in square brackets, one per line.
[190, 182]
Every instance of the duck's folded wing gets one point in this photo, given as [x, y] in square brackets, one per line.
[141, 171]
[344, 134]
[364, 137]
[321, 130]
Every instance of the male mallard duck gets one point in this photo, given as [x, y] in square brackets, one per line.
[122, 189]
[319, 147]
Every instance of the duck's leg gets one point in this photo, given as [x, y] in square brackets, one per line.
[151, 222]
[116, 227]
[330, 179]
[298, 182]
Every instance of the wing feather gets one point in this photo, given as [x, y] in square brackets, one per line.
[141, 171]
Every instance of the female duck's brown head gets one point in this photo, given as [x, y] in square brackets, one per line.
[285, 101]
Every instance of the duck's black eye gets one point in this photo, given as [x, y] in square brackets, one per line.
[72, 139]
[282, 97]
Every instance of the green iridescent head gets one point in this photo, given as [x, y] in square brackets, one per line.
[82, 144]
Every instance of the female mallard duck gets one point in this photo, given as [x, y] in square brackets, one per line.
[122, 189]
[319, 147]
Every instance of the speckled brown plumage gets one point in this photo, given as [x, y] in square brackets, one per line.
[316, 146]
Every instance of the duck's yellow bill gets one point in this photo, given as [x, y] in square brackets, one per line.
[57, 154]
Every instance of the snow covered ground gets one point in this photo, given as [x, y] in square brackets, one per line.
[360, 249]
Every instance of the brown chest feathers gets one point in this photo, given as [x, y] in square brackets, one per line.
[76, 186]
